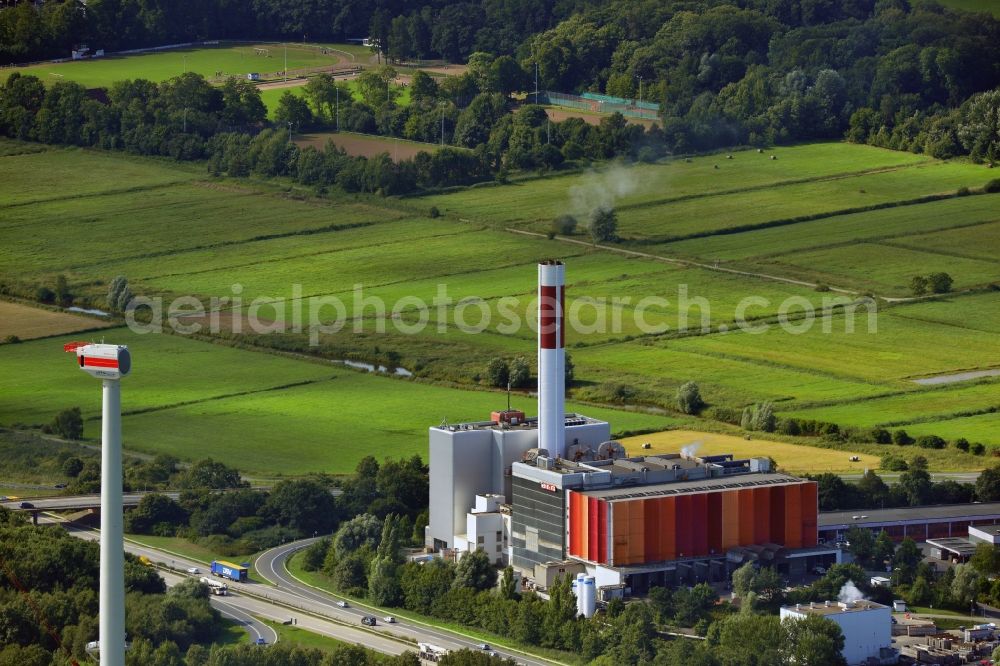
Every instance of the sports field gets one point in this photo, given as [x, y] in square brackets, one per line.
[26, 322]
[210, 61]
[178, 232]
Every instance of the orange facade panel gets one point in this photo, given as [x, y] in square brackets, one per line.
[810, 519]
[691, 525]
[619, 538]
[668, 528]
[730, 520]
[793, 517]
[746, 516]
[636, 533]
[761, 515]
[651, 530]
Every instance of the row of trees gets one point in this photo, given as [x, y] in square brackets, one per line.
[245, 520]
[920, 77]
[914, 488]
[761, 417]
[516, 373]
[364, 559]
[48, 608]
[450, 30]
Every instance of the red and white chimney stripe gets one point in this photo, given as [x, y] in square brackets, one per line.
[551, 357]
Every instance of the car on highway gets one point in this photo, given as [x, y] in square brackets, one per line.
[369, 621]
[194, 570]
[27, 505]
[59, 486]
[343, 604]
[260, 641]
[485, 646]
[388, 619]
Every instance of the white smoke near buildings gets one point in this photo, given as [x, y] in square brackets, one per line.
[850, 593]
[600, 190]
[691, 449]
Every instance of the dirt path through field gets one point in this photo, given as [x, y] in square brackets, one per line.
[684, 262]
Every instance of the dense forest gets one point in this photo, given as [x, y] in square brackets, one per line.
[911, 77]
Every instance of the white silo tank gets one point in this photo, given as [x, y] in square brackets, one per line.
[589, 596]
[578, 591]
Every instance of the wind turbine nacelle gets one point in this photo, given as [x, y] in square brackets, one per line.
[102, 361]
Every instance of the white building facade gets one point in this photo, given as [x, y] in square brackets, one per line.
[866, 625]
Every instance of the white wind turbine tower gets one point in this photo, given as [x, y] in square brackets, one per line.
[109, 363]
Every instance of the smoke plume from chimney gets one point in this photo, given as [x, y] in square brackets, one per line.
[850, 593]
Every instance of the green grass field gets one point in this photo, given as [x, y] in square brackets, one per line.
[726, 211]
[980, 312]
[898, 350]
[118, 174]
[983, 428]
[177, 232]
[167, 370]
[196, 399]
[886, 268]
[540, 200]
[231, 60]
[889, 225]
[900, 409]
[304, 637]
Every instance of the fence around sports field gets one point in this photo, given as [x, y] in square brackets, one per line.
[596, 103]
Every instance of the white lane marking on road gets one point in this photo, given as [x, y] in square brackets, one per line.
[248, 619]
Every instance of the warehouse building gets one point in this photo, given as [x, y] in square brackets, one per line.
[919, 523]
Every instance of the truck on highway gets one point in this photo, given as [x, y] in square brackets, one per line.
[430, 652]
[216, 587]
[229, 570]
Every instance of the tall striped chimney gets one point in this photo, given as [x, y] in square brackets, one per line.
[551, 357]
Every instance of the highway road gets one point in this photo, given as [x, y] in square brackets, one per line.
[271, 565]
[312, 608]
[248, 601]
[72, 502]
[893, 477]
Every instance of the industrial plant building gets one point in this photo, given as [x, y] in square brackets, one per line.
[555, 496]
[866, 625]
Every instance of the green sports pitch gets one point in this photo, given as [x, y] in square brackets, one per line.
[212, 62]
